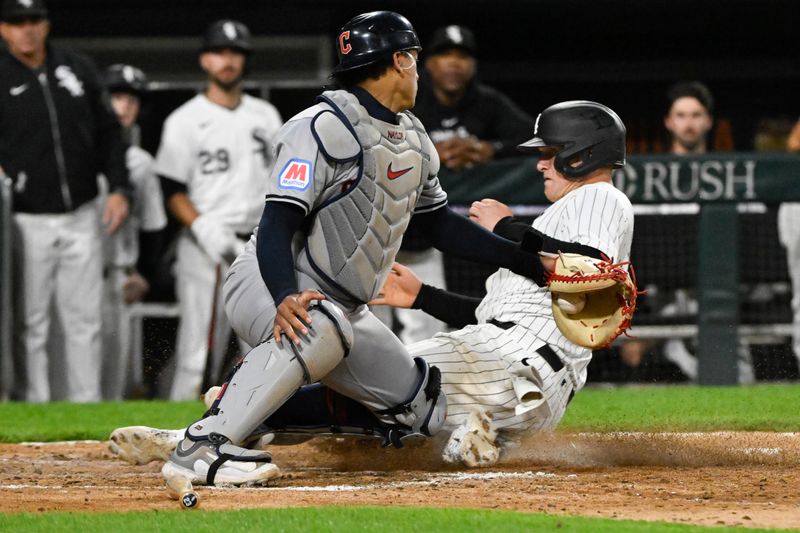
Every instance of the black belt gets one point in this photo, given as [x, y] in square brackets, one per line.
[547, 353]
[244, 236]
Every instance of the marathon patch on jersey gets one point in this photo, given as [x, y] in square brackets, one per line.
[297, 174]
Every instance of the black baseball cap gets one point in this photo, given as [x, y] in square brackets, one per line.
[449, 37]
[16, 10]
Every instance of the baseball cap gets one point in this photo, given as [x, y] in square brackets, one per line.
[453, 36]
[15, 10]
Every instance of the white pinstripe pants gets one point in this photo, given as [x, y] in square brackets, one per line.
[485, 368]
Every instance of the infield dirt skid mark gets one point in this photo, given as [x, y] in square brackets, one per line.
[748, 479]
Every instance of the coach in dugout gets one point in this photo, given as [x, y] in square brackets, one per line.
[57, 132]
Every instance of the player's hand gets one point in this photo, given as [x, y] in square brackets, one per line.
[488, 212]
[216, 239]
[115, 212]
[134, 288]
[292, 318]
[401, 288]
[455, 153]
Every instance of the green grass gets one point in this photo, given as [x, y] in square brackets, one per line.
[67, 421]
[673, 408]
[350, 519]
[769, 407]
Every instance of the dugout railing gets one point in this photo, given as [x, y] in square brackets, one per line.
[705, 226]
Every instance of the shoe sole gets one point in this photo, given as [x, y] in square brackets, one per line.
[260, 476]
[141, 444]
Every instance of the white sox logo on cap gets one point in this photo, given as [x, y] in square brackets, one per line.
[229, 29]
[455, 35]
[536, 126]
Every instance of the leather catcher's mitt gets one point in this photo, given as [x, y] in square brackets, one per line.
[593, 299]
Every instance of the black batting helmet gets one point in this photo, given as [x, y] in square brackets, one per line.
[582, 131]
[121, 78]
[227, 33]
[368, 37]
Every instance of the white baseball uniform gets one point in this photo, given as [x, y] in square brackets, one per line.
[789, 234]
[224, 157]
[497, 368]
[121, 252]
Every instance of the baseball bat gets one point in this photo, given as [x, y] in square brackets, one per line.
[180, 488]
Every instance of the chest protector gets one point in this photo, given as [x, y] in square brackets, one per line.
[355, 234]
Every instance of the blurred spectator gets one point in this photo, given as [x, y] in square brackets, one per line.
[139, 239]
[688, 120]
[469, 123]
[789, 234]
[213, 161]
[689, 117]
[57, 132]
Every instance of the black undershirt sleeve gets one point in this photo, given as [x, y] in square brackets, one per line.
[169, 187]
[279, 222]
[457, 235]
[512, 228]
[454, 309]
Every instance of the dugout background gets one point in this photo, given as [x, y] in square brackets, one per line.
[620, 52]
[623, 53]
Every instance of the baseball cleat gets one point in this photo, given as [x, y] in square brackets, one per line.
[141, 444]
[473, 443]
[215, 461]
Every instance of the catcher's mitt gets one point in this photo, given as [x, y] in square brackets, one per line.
[593, 300]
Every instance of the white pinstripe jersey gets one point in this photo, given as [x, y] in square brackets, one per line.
[224, 156]
[596, 215]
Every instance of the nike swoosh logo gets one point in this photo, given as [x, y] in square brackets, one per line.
[16, 91]
[393, 175]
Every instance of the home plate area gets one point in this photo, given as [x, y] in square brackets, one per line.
[731, 478]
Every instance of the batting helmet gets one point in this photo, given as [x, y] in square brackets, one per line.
[227, 33]
[368, 37]
[582, 131]
[122, 78]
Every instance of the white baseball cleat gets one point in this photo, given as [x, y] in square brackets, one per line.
[141, 444]
[215, 461]
[473, 443]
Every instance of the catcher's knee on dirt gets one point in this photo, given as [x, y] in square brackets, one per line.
[423, 413]
[270, 373]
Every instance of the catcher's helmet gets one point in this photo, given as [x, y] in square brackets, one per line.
[368, 37]
[227, 33]
[582, 131]
[121, 78]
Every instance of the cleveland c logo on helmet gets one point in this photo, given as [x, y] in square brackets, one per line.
[344, 48]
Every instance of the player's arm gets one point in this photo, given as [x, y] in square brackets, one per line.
[405, 290]
[457, 235]
[110, 150]
[279, 222]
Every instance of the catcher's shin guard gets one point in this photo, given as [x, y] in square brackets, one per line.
[270, 373]
[423, 413]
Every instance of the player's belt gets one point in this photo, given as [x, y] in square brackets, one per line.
[501, 325]
[244, 236]
[547, 353]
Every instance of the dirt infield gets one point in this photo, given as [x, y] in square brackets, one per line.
[745, 479]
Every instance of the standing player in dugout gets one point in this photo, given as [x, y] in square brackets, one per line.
[344, 345]
[519, 358]
[214, 157]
